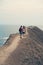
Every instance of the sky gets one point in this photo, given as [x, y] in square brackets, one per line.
[17, 12]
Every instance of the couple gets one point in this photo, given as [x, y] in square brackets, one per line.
[22, 31]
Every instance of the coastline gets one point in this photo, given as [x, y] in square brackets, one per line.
[8, 41]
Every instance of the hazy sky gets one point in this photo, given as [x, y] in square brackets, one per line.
[29, 12]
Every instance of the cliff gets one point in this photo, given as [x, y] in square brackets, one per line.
[29, 50]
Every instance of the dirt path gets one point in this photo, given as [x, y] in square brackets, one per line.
[4, 54]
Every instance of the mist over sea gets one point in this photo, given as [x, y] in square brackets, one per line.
[5, 31]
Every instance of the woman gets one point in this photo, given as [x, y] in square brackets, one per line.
[24, 30]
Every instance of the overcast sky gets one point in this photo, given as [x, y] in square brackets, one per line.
[27, 12]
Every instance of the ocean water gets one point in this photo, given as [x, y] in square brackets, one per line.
[5, 31]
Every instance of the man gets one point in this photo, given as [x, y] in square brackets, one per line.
[21, 31]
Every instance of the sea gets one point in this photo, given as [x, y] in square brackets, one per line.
[6, 30]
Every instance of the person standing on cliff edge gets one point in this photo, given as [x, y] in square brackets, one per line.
[21, 31]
